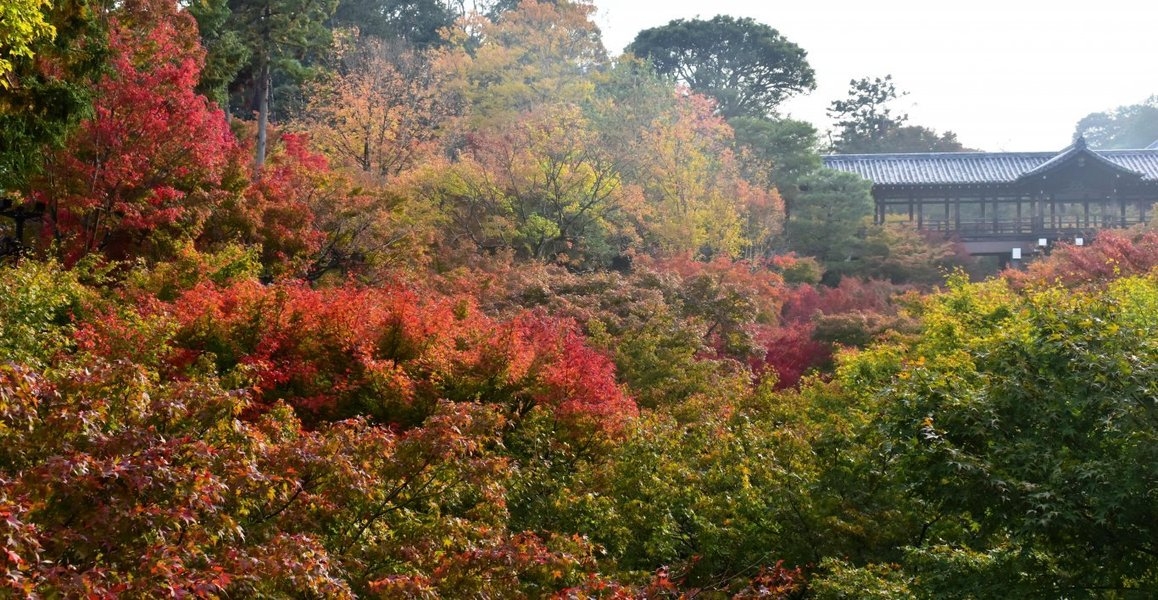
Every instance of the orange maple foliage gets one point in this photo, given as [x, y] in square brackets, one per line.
[381, 109]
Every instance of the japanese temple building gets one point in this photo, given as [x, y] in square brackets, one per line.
[996, 201]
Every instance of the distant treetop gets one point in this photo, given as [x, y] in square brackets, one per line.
[1123, 128]
[865, 124]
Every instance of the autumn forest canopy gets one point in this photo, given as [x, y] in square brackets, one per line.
[437, 299]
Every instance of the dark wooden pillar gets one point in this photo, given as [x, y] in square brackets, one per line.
[957, 215]
[1086, 209]
[1039, 214]
[981, 219]
[1122, 210]
[920, 213]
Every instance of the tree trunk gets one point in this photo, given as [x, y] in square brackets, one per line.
[262, 113]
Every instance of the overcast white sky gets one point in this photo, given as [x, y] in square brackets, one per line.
[1005, 75]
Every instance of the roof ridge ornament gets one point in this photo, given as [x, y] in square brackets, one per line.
[1080, 142]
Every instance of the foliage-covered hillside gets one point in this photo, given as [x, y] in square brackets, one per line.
[453, 304]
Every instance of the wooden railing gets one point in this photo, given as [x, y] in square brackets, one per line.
[1058, 226]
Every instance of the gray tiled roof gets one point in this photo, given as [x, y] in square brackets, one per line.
[974, 167]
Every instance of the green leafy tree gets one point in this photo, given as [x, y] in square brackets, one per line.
[747, 66]
[226, 52]
[1020, 426]
[50, 54]
[710, 499]
[258, 39]
[491, 9]
[915, 138]
[783, 150]
[1132, 126]
[37, 305]
[416, 21]
[900, 253]
[829, 211]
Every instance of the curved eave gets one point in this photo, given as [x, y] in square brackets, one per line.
[1077, 151]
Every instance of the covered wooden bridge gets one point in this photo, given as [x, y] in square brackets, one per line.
[996, 201]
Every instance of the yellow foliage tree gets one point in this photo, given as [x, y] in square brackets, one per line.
[697, 201]
[23, 26]
[542, 185]
[540, 53]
